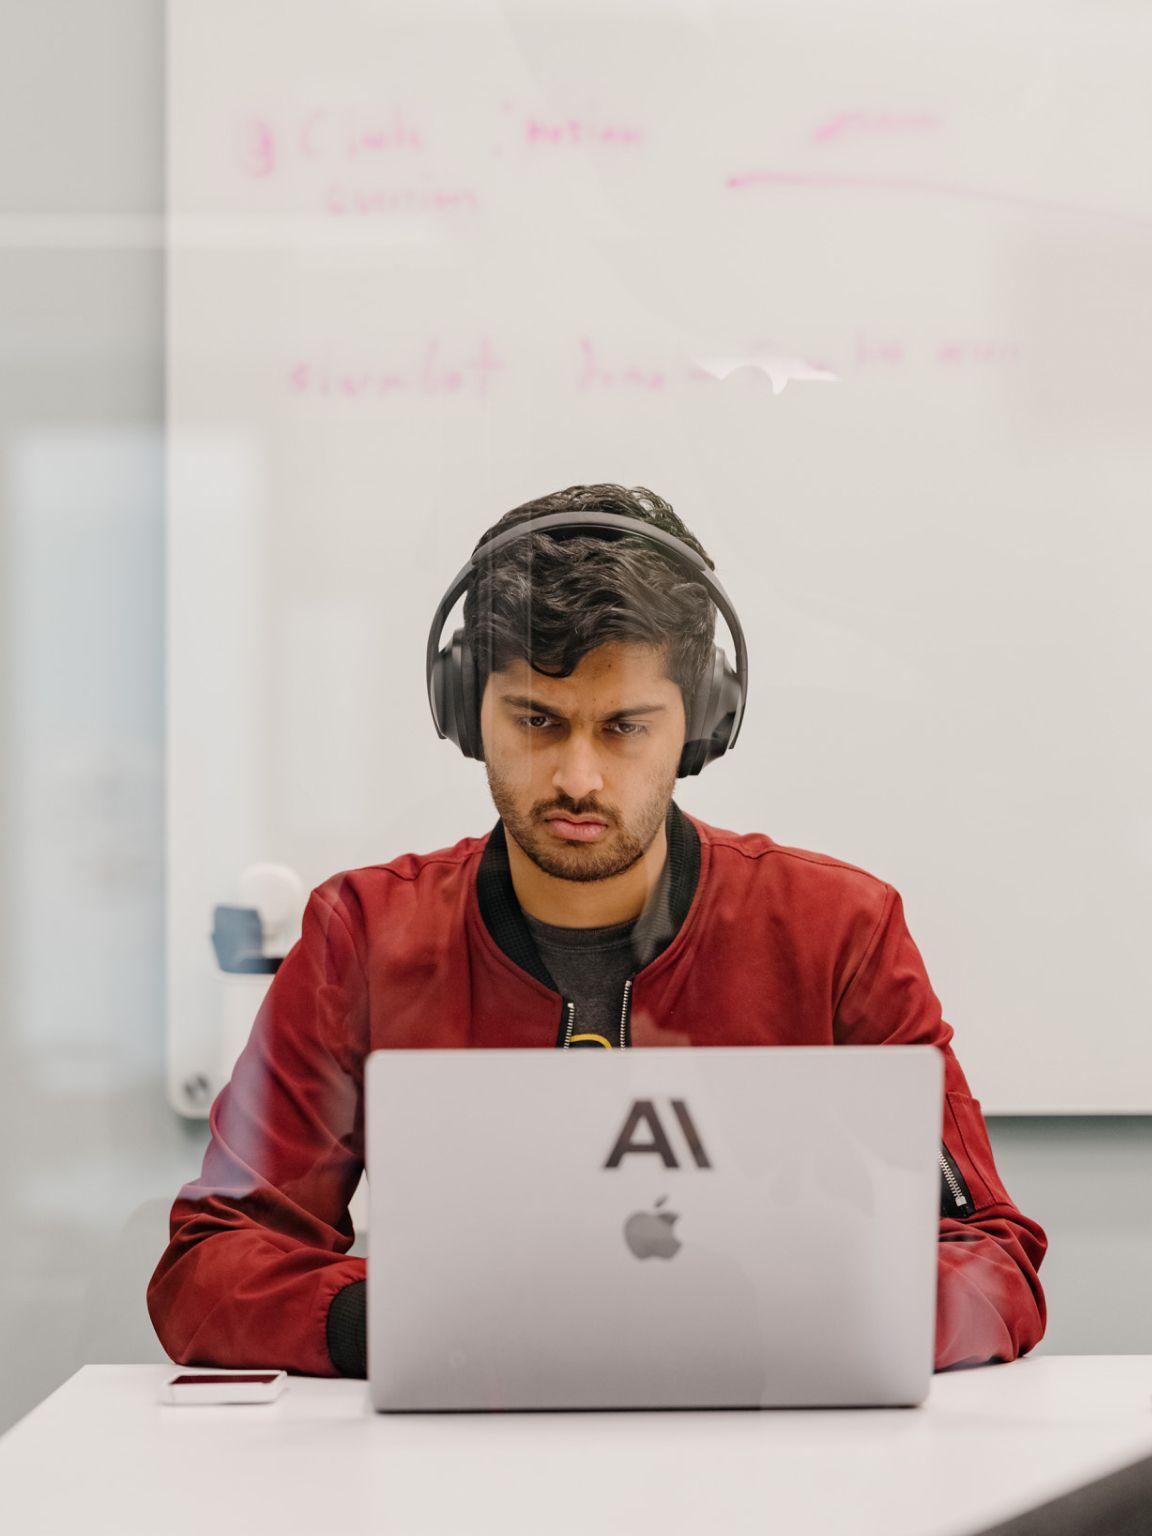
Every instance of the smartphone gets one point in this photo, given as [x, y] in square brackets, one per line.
[224, 1387]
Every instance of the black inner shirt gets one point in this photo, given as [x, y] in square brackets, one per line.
[591, 965]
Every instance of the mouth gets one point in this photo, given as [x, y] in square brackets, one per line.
[572, 829]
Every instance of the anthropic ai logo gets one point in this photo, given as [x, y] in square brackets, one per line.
[649, 1234]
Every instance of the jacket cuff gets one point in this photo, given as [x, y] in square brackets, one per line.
[347, 1330]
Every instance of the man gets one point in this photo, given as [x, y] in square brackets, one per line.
[595, 915]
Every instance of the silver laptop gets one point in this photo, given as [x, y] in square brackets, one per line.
[692, 1228]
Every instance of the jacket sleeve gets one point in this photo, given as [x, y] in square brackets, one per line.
[989, 1301]
[258, 1243]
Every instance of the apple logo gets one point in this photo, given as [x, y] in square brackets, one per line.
[649, 1233]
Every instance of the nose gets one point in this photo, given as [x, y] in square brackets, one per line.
[577, 772]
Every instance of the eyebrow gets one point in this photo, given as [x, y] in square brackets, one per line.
[521, 701]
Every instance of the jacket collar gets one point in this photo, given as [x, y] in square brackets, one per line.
[661, 919]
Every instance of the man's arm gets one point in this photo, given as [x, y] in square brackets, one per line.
[989, 1301]
[258, 1244]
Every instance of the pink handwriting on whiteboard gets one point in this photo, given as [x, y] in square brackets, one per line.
[325, 134]
[352, 134]
[594, 374]
[257, 147]
[778, 367]
[954, 353]
[436, 369]
[857, 125]
[578, 131]
[878, 352]
[889, 352]
[543, 134]
[775, 367]
[426, 372]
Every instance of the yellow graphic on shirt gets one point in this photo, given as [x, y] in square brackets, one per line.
[591, 1040]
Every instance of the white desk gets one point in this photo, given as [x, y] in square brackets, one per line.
[101, 1455]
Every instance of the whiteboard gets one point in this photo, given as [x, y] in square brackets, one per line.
[862, 291]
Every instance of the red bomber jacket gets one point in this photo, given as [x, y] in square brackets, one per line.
[767, 945]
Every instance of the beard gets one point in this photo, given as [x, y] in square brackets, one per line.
[621, 846]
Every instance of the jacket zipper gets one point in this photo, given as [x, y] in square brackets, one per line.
[957, 1188]
[625, 1009]
[570, 1008]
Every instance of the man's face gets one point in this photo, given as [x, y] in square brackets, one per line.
[582, 768]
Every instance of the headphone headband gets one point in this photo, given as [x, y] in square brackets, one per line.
[593, 522]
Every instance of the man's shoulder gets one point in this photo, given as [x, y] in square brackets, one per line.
[757, 856]
[437, 873]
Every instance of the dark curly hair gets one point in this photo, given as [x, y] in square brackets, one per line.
[550, 598]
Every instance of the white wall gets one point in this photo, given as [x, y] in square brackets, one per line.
[90, 1150]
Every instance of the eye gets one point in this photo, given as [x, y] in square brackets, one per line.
[626, 729]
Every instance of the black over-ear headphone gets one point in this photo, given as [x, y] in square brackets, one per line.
[718, 705]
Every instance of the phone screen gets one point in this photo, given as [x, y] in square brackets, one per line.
[263, 1378]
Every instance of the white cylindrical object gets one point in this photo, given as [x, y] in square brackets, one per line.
[278, 894]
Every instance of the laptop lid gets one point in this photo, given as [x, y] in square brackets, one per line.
[714, 1227]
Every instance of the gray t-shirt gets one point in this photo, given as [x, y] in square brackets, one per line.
[591, 965]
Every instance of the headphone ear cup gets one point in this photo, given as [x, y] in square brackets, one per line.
[695, 753]
[441, 694]
[471, 742]
[459, 731]
[714, 710]
[692, 759]
[447, 692]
